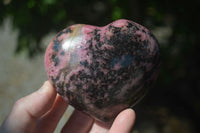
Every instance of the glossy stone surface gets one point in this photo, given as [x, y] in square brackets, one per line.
[103, 70]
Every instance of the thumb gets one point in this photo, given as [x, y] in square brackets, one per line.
[27, 110]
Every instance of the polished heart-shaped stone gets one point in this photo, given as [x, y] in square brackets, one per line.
[103, 70]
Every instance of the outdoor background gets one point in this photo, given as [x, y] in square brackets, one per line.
[171, 106]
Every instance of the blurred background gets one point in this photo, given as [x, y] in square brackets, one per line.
[171, 106]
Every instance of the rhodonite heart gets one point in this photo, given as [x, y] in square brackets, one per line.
[103, 70]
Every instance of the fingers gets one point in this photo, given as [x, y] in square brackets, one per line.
[96, 128]
[23, 116]
[124, 122]
[38, 107]
[78, 123]
[50, 120]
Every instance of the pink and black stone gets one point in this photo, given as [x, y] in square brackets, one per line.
[103, 70]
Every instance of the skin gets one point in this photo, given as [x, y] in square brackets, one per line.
[41, 111]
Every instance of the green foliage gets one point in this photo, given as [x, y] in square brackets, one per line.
[117, 13]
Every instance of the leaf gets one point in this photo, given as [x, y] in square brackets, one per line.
[117, 13]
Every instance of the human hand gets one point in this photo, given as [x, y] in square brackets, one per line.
[41, 111]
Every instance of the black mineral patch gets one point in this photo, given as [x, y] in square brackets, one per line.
[55, 59]
[66, 31]
[56, 46]
[62, 53]
[129, 25]
[84, 63]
